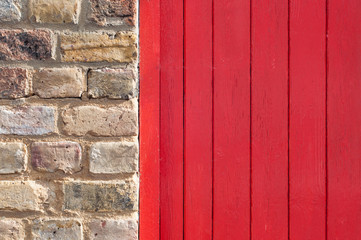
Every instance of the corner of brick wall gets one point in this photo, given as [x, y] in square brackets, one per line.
[69, 119]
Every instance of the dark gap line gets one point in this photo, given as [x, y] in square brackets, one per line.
[326, 119]
[184, 114]
[160, 118]
[289, 117]
[212, 119]
[250, 122]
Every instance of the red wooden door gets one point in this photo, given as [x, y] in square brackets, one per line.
[250, 124]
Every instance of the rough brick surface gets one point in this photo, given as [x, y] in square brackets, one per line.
[59, 82]
[112, 83]
[101, 196]
[53, 156]
[27, 120]
[54, 11]
[101, 121]
[98, 47]
[11, 229]
[13, 157]
[22, 196]
[57, 229]
[14, 82]
[9, 10]
[25, 45]
[113, 229]
[113, 12]
[114, 157]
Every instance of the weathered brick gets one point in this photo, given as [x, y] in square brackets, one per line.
[53, 156]
[113, 229]
[114, 157]
[14, 82]
[25, 45]
[27, 120]
[54, 11]
[113, 12]
[11, 229]
[98, 47]
[13, 157]
[59, 82]
[22, 196]
[101, 196]
[57, 229]
[9, 10]
[112, 83]
[120, 120]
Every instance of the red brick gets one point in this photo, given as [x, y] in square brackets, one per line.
[14, 83]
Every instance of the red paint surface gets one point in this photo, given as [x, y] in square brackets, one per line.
[231, 205]
[307, 159]
[258, 135]
[344, 120]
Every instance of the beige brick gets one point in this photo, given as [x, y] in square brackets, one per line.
[98, 47]
[120, 120]
[27, 120]
[57, 229]
[59, 82]
[113, 229]
[114, 157]
[54, 11]
[13, 157]
[112, 83]
[101, 196]
[22, 196]
[11, 229]
[53, 156]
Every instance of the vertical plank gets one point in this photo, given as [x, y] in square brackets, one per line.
[344, 120]
[149, 119]
[307, 119]
[269, 119]
[171, 132]
[198, 120]
[231, 217]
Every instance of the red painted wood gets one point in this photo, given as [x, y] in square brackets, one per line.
[269, 119]
[307, 120]
[198, 120]
[344, 120]
[231, 209]
[149, 119]
[171, 148]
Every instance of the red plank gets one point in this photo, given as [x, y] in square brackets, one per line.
[198, 120]
[149, 119]
[307, 119]
[231, 217]
[269, 119]
[344, 120]
[171, 136]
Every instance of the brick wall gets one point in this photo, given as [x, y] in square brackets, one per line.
[68, 119]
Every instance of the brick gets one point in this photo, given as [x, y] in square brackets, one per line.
[53, 156]
[113, 12]
[54, 11]
[14, 83]
[101, 196]
[27, 120]
[113, 229]
[120, 120]
[25, 45]
[57, 229]
[111, 83]
[22, 196]
[59, 82]
[114, 157]
[98, 47]
[11, 229]
[9, 10]
[13, 157]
